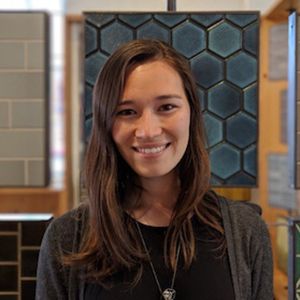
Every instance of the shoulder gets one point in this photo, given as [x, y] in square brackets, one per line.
[237, 208]
[64, 230]
[243, 219]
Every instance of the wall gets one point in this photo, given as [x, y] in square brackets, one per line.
[77, 6]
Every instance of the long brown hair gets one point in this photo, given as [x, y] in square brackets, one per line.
[111, 243]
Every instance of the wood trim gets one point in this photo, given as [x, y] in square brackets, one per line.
[28, 191]
[281, 9]
[69, 22]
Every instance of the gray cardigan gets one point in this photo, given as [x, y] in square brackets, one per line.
[248, 243]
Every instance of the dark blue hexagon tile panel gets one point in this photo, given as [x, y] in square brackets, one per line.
[222, 49]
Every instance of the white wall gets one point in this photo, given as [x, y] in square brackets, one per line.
[262, 5]
[209, 5]
[77, 6]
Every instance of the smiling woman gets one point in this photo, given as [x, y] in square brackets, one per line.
[152, 228]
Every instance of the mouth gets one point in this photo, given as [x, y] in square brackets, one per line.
[151, 150]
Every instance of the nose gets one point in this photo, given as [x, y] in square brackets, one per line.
[148, 126]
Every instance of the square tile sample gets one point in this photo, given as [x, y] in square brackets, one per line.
[24, 92]
[20, 242]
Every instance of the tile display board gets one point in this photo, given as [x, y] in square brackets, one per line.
[278, 52]
[23, 99]
[280, 193]
[222, 49]
[294, 101]
[294, 259]
[20, 242]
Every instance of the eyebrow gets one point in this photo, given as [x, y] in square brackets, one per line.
[160, 97]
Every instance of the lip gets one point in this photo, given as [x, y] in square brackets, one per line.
[151, 150]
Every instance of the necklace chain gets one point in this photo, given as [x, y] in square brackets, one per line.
[152, 266]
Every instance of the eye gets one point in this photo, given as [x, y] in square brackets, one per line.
[167, 107]
[126, 112]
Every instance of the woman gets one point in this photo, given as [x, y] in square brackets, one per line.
[152, 229]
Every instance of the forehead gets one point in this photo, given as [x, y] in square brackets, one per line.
[157, 71]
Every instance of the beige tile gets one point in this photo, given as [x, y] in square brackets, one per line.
[22, 26]
[12, 55]
[21, 144]
[12, 173]
[298, 146]
[36, 173]
[28, 114]
[298, 116]
[4, 117]
[298, 85]
[22, 85]
[297, 180]
[36, 56]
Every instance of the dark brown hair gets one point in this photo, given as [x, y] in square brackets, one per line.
[111, 243]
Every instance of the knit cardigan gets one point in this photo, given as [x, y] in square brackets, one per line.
[248, 246]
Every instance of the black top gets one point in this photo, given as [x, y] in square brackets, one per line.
[208, 278]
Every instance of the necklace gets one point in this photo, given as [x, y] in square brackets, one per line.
[169, 293]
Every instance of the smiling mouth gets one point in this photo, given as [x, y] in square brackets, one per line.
[151, 150]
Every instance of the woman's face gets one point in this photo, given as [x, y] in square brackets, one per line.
[151, 127]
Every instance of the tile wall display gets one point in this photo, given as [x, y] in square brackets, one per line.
[20, 240]
[280, 193]
[278, 52]
[222, 49]
[24, 80]
[294, 101]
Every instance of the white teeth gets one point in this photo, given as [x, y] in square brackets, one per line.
[151, 150]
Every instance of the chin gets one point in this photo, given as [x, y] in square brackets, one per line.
[153, 174]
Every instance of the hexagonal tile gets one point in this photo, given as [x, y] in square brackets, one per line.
[214, 181]
[114, 35]
[88, 100]
[153, 30]
[242, 19]
[213, 128]
[134, 20]
[207, 69]
[93, 65]
[241, 179]
[241, 130]
[90, 38]
[241, 69]
[250, 99]
[189, 39]
[225, 160]
[224, 39]
[251, 38]
[205, 19]
[170, 19]
[223, 100]
[250, 161]
[202, 98]
[99, 19]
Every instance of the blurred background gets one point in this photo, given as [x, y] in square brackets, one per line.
[42, 134]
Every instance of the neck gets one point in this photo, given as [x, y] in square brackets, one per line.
[158, 200]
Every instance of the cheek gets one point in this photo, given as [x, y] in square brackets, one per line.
[117, 133]
[121, 134]
[183, 126]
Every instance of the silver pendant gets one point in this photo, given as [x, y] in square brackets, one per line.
[169, 294]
